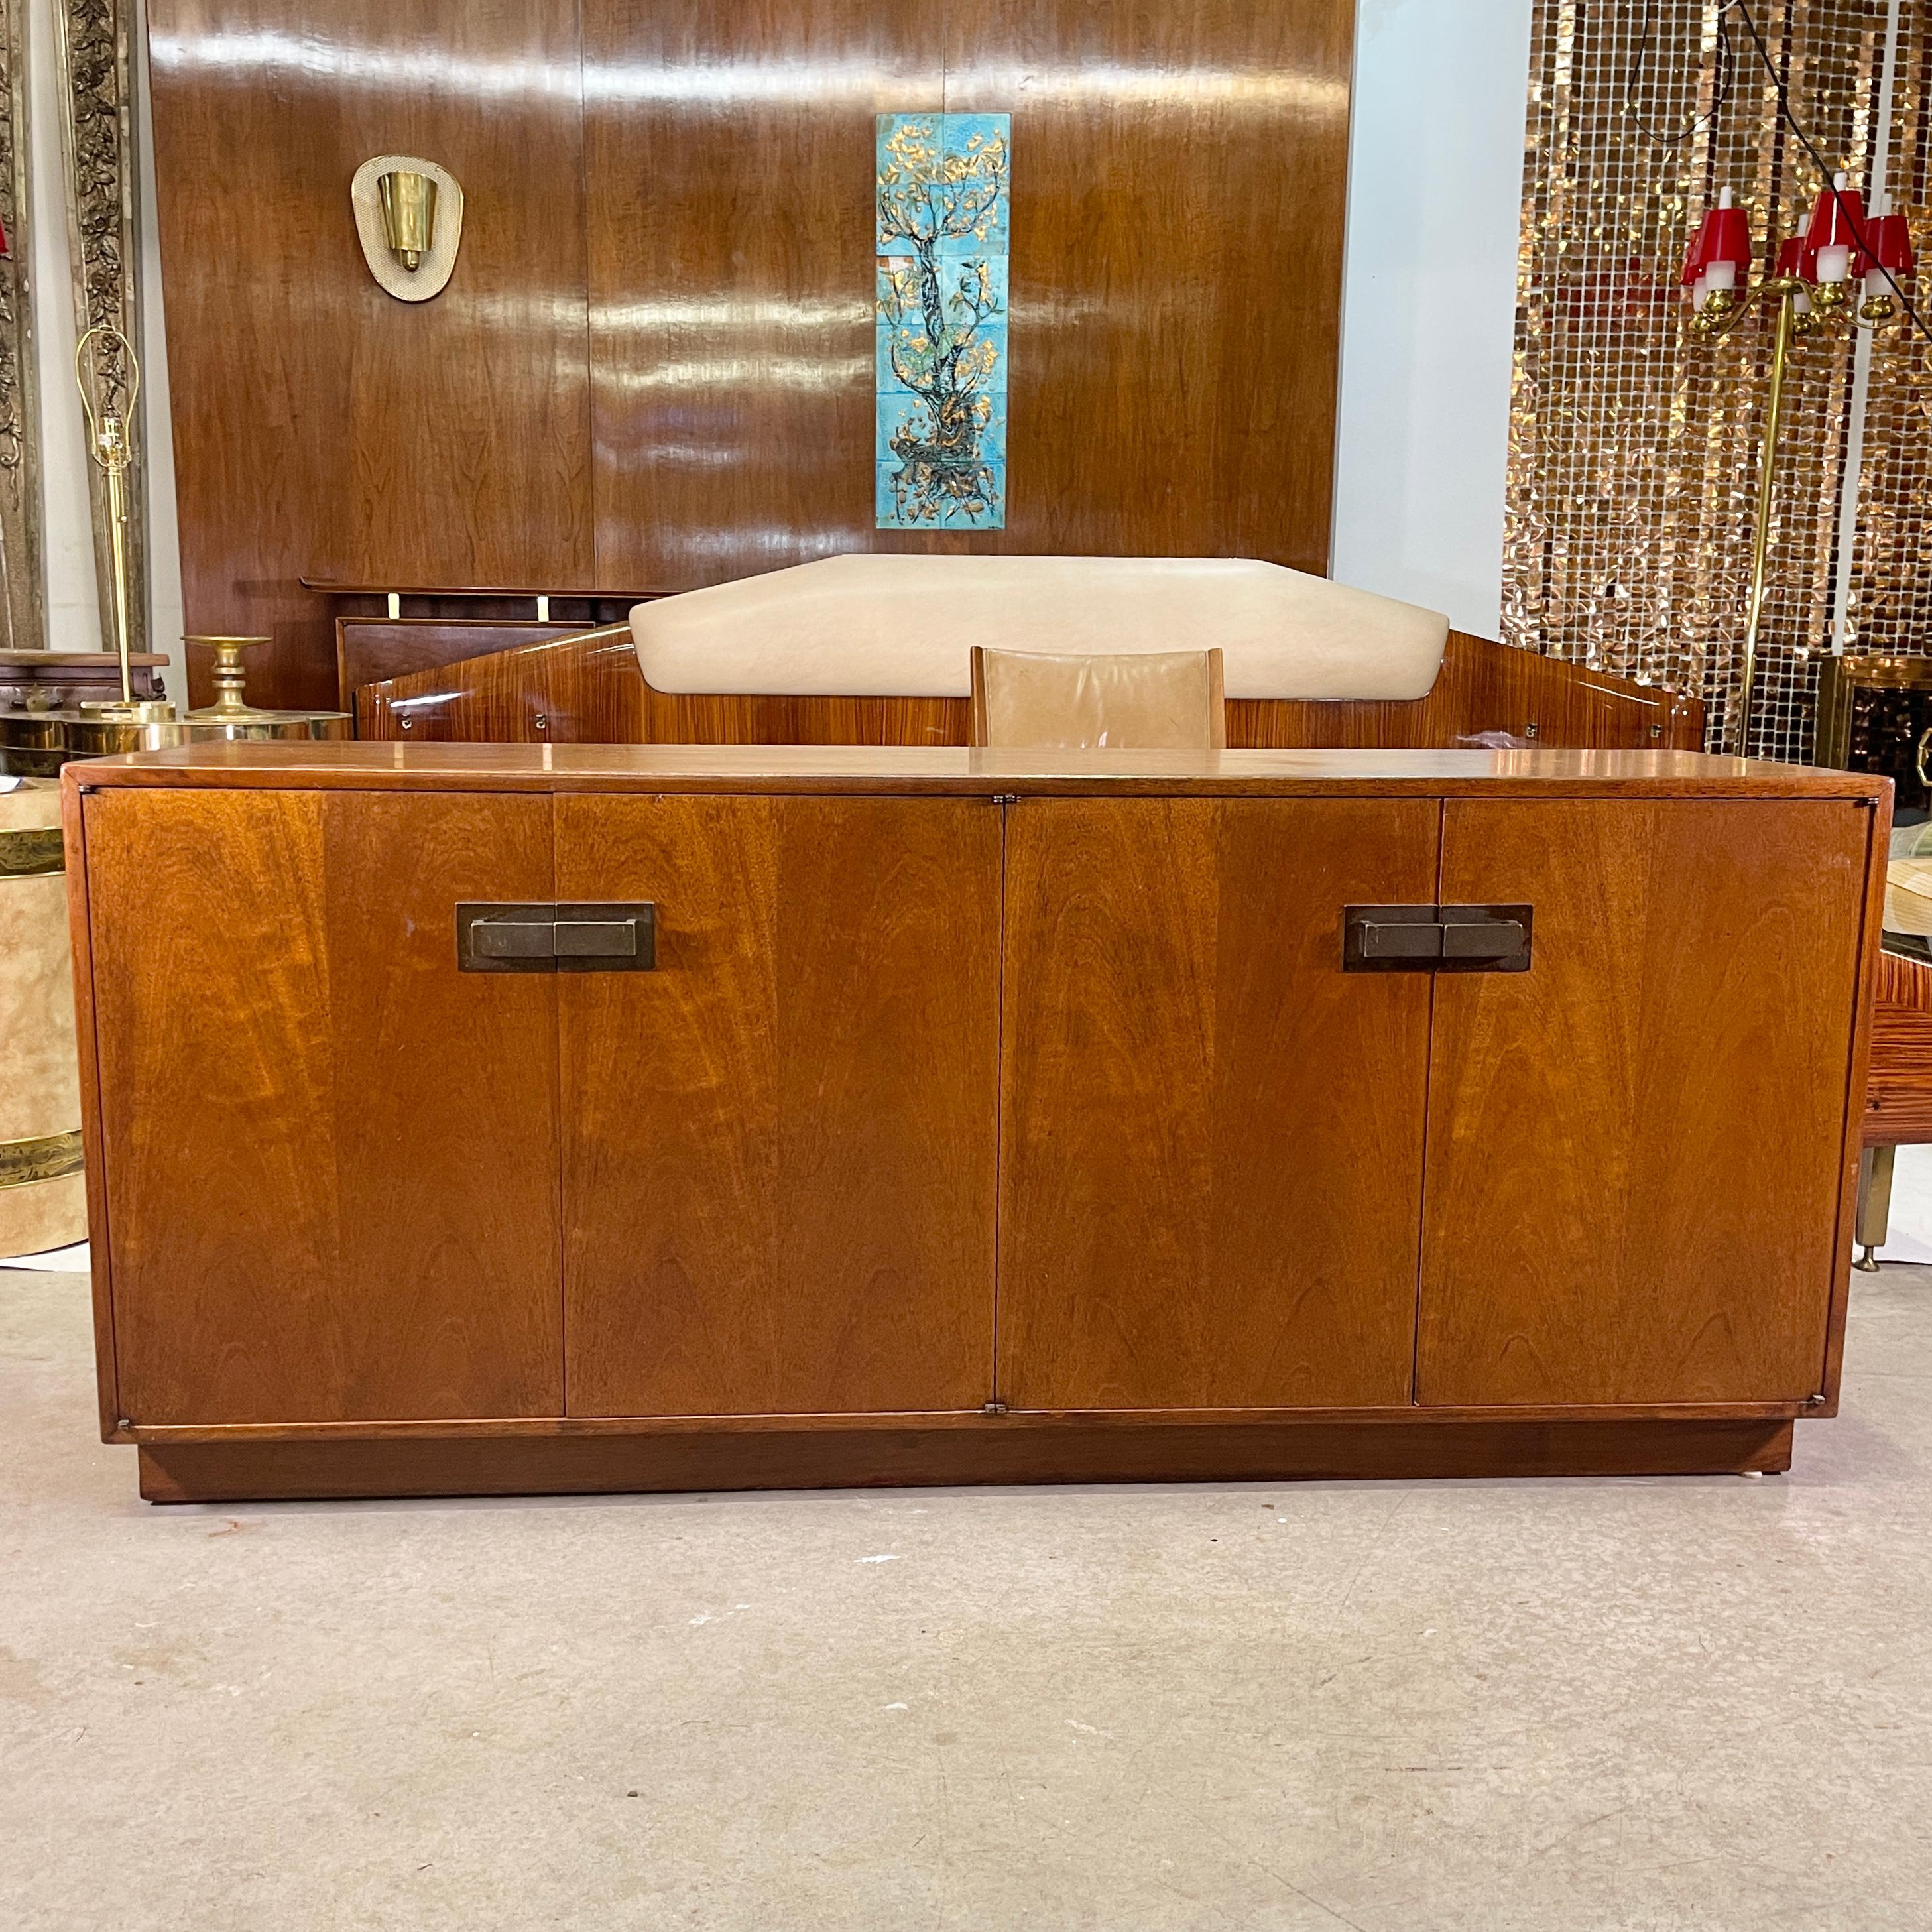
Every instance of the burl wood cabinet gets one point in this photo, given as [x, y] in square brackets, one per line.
[469, 1118]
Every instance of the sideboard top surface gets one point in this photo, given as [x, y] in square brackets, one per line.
[955, 771]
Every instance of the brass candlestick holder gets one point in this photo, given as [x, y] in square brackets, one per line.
[109, 445]
[230, 700]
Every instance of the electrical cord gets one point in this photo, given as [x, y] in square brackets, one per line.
[1725, 74]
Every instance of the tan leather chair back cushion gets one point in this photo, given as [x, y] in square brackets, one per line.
[1152, 700]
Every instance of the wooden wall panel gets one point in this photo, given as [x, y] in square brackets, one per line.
[321, 427]
[729, 144]
[1178, 185]
[668, 217]
[1179, 179]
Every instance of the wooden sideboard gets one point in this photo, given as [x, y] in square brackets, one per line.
[960, 1116]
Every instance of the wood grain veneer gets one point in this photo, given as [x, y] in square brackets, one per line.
[779, 1151]
[589, 690]
[653, 367]
[101, 1247]
[945, 771]
[1634, 1148]
[1168, 162]
[321, 427]
[369, 650]
[1179, 176]
[1898, 1099]
[353, 1212]
[964, 1077]
[1212, 1145]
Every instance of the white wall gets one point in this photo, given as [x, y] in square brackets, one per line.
[73, 623]
[1436, 181]
[1429, 301]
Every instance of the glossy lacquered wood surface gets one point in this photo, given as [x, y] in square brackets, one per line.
[1179, 175]
[590, 691]
[329, 1160]
[369, 650]
[732, 272]
[959, 771]
[1211, 1165]
[1485, 686]
[1898, 1099]
[322, 427]
[779, 1146]
[654, 366]
[1169, 164]
[1636, 1149]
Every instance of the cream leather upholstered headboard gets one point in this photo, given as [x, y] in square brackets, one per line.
[900, 626]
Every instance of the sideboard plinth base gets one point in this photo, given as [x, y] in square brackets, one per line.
[416, 1466]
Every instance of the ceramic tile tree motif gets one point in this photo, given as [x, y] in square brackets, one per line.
[943, 224]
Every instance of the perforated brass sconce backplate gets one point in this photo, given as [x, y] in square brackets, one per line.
[430, 276]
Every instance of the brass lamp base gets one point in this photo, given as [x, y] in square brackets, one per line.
[138, 711]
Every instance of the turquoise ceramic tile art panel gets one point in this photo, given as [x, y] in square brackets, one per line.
[943, 216]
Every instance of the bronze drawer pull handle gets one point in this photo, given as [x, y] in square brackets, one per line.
[1436, 939]
[597, 937]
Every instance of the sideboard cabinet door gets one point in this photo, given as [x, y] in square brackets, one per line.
[1636, 1148]
[779, 1144]
[1212, 1185]
[331, 1166]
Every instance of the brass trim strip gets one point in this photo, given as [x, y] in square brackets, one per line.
[31, 853]
[43, 1157]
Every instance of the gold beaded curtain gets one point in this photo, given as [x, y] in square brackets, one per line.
[1634, 450]
[1889, 606]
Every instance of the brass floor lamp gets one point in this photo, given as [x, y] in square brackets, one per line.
[1812, 283]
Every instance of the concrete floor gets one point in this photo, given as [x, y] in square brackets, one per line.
[1692, 1704]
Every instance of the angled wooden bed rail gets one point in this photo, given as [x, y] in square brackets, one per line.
[588, 689]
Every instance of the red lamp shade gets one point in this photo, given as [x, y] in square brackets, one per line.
[1719, 252]
[1834, 214]
[1890, 239]
[1730, 239]
[1831, 238]
[1791, 259]
[1699, 252]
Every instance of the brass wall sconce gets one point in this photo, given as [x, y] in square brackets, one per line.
[409, 214]
[408, 219]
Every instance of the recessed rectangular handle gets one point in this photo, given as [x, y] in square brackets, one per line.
[514, 939]
[1490, 939]
[1436, 939]
[598, 937]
